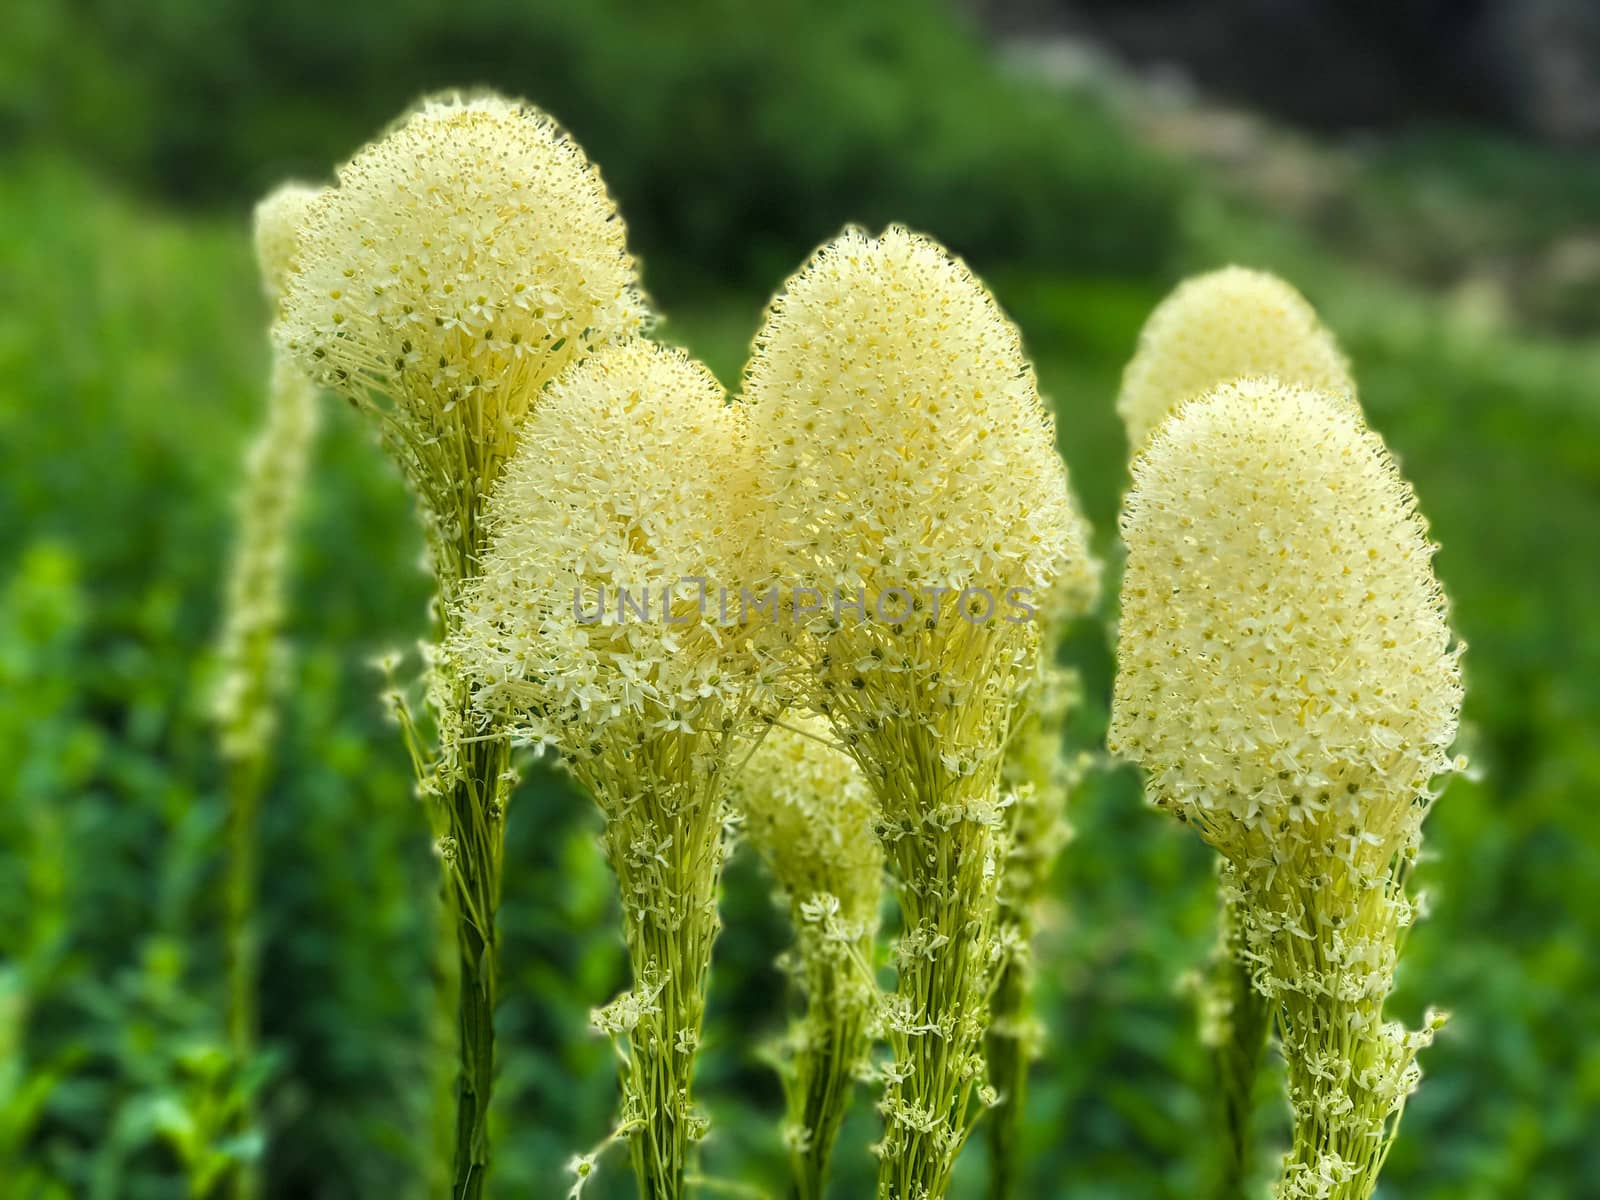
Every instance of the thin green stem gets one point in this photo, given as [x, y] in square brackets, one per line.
[1237, 1059]
[836, 1039]
[473, 854]
[1008, 1057]
[243, 950]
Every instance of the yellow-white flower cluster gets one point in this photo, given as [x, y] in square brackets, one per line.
[594, 623]
[278, 221]
[1289, 683]
[905, 452]
[462, 261]
[909, 465]
[1220, 327]
[1287, 670]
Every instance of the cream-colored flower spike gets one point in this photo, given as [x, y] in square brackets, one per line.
[463, 260]
[911, 476]
[251, 652]
[1289, 683]
[902, 426]
[588, 621]
[810, 815]
[594, 626]
[1223, 326]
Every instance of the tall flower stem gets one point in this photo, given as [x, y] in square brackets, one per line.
[1008, 1056]
[1350, 1071]
[246, 703]
[838, 1035]
[1240, 1046]
[474, 812]
[945, 872]
[668, 879]
[1038, 778]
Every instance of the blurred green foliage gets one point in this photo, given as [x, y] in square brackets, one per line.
[132, 363]
[735, 138]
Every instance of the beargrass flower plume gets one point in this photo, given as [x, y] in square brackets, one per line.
[811, 816]
[462, 262]
[464, 259]
[1219, 327]
[250, 651]
[1215, 328]
[912, 481]
[1289, 683]
[594, 628]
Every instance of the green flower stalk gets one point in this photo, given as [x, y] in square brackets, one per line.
[1288, 681]
[250, 649]
[811, 817]
[462, 262]
[594, 628]
[914, 489]
[1214, 328]
[1039, 779]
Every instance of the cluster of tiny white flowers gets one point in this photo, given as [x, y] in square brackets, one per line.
[279, 218]
[1287, 673]
[462, 261]
[1220, 327]
[904, 451]
[630, 479]
[1288, 680]
[249, 653]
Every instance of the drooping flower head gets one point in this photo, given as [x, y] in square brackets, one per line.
[1287, 677]
[909, 464]
[278, 220]
[462, 261]
[595, 616]
[1223, 326]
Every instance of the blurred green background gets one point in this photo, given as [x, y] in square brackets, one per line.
[1457, 256]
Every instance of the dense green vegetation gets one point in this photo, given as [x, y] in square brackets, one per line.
[132, 360]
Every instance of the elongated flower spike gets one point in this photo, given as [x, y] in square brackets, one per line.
[1219, 327]
[913, 482]
[1289, 683]
[811, 817]
[1215, 328]
[589, 630]
[464, 259]
[250, 650]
